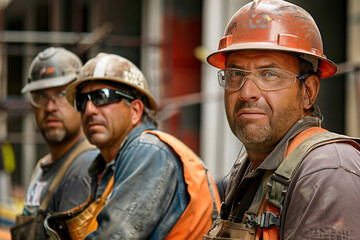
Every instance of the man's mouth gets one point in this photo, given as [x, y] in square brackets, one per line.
[51, 122]
[93, 125]
[250, 113]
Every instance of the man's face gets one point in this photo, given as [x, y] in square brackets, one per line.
[105, 126]
[261, 118]
[56, 119]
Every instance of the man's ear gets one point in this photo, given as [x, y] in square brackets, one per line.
[311, 90]
[32, 106]
[137, 107]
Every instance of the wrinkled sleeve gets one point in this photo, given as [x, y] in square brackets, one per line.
[144, 186]
[321, 202]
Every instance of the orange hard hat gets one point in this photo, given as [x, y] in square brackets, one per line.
[274, 25]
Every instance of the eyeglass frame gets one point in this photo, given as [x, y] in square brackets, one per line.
[222, 74]
[120, 96]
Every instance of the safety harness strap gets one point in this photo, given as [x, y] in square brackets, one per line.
[278, 184]
[263, 218]
[269, 219]
[279, 181]
[297, 150]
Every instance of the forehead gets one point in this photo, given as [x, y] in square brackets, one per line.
[252, 59]
[92, 86]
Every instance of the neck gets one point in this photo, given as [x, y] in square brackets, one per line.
[256, 158]
[257, 153]
[110, 151]
[60, 149]
[109, 154]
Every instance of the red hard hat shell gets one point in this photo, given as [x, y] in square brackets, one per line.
[274, 25]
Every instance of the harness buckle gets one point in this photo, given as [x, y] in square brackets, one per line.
[277, 188]
[264, 220]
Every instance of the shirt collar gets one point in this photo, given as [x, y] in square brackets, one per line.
[137, 131]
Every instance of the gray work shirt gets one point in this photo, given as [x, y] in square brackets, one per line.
[73, 189]
[320, 201]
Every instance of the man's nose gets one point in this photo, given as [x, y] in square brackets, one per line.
[249, 90]
[50, 105]
[90, 107]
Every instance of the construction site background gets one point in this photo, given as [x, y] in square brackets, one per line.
[169, 41]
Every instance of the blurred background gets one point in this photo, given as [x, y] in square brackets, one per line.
[169, 41]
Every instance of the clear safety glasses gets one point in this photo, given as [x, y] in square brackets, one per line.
[99, 98]
[267, 79]
[40, 99]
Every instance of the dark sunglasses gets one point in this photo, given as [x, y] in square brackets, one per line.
[99, 98]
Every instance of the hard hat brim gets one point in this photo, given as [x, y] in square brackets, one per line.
[326, 68]
[48, 83]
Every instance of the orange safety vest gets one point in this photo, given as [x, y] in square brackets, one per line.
[195, 221]
[5, 234]
[198, 216]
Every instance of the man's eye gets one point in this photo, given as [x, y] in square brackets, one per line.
[61, 93]
[40, 96]
[270, 75]
[236, 74]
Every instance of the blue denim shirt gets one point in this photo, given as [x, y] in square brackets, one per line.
[149, 192]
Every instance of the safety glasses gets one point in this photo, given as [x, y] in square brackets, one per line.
[99, 98]
[267, 79]
[40, 99]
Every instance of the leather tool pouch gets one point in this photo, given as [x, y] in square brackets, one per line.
[226, 230]
[29, 227]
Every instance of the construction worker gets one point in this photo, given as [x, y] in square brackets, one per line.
[293, 179]
[155, 187]
[60, 180]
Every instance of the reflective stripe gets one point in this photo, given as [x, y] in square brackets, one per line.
[100, 67]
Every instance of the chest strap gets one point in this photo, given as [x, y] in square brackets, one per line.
[279, 181]
[273, 199]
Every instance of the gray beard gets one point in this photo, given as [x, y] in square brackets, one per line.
[54, 136]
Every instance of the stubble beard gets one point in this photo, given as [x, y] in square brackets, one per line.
[253, 139]
[254, 136]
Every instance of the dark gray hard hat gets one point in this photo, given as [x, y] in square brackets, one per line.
[53, 67]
